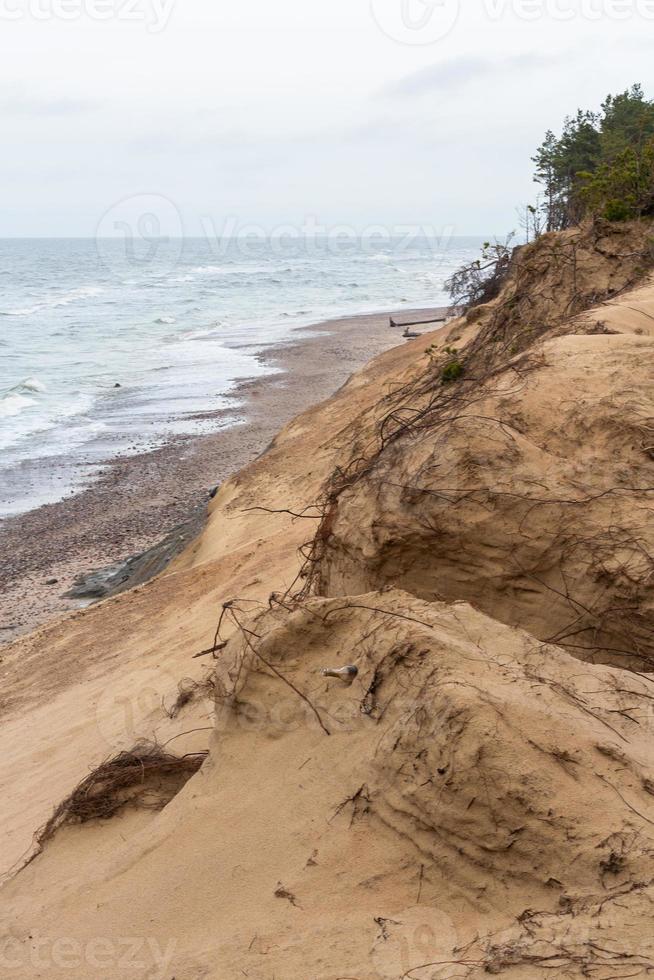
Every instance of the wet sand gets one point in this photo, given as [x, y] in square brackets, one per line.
[142, 499]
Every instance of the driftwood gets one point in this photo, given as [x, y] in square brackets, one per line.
[415, 323]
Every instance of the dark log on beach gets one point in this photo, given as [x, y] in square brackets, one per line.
[414, 323]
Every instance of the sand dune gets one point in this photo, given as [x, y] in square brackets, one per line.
[479, 799]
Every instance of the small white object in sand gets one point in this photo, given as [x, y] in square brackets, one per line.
[346, 674]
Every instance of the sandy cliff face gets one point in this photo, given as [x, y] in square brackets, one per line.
[530, 501]
[525, 486]
[479, 799]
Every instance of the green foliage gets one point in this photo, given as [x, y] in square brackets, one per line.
[452, 371]
[600, 164]
[617, 211]
[558, 163]
[628, 120]
[622, 189]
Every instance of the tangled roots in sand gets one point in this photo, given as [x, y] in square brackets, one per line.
[145, 777]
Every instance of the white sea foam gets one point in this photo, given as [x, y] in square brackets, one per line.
[52, 302]
[13, 403]
[215, 330]
[211, 270]
[63, 350]
[32, 419]
[13, 400]
[32, 384]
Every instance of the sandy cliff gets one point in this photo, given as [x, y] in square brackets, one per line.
[479, 799]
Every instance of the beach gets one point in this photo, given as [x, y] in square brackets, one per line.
[143, 499]
[370, 700]
[326, 492]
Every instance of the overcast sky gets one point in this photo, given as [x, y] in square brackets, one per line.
[283, 111]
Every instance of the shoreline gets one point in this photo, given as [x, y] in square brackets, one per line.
[155, 502]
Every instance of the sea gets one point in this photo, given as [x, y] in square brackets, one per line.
[108, 349]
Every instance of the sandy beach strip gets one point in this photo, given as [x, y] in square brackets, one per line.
[142, 499]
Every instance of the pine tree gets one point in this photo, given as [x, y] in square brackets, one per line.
[628, 120]
[547, 175]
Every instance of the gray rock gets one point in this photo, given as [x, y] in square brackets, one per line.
[100, 583]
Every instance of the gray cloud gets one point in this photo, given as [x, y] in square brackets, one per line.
[34, 105]
[243, 108]
[455, 74]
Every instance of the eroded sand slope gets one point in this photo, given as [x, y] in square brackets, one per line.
[480, 799]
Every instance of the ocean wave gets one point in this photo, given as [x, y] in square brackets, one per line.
[13, 404]
[215, 330]
[14, 400]
[42, 436]
[295, 313]
[231, 269]
[211, 270]
[52, 302]
[34, 420]
[32, 384]
[166, 319]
